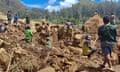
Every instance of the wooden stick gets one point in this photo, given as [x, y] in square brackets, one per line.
[7, 70]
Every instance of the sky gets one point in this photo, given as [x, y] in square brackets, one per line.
[53, 5]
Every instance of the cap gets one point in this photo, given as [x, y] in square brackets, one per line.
[88, 37]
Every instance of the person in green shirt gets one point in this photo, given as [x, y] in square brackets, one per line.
[48, 43]
[107, 35]
[28, 34]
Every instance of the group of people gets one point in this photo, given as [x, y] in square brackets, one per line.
[9, 18]
[44, 30]
[28, 31]
[107, 35]
[3, 27]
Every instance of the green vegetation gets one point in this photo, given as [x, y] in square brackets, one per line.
[78, 13]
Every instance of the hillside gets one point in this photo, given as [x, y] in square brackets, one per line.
[17, 7]
[13, 5]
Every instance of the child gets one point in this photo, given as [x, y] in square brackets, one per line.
[15, 19]
[87, 49]
[28, 35]
[48, 43]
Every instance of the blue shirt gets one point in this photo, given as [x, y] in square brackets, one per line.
[15, 18]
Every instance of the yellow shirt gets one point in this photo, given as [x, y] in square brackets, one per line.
[86, 50]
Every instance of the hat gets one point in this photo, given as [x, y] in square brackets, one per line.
[88, 37]
[48, 38]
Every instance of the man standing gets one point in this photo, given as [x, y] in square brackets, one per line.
[15, 19]
[112, 18]
[68, 24]
[27, 20]
[107, 35]
[9, 17]
[69, 30]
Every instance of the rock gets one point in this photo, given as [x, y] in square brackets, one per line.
[114, 58]
[4, 43]
[1, 42]
[78, 36]
[78, 40]
[4, 57]
[21, 52]
[47, 69]
[73, 67]
[30, 63]
[77, 51]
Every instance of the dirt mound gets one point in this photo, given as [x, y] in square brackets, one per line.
[17, 55]
[92, 24]
[2, 18]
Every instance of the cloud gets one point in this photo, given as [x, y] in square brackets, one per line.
[68, 3]
[52, 1]
[62, 4]
[53, 8]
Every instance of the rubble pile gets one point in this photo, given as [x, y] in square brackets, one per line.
[18, 56]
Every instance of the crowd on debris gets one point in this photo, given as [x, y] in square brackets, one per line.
[56, 48]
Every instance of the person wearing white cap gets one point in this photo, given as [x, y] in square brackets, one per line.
[87, 47]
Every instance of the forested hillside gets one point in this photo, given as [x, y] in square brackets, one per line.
[78, 13]
[14, 5]
[17, 7]
[85, 9]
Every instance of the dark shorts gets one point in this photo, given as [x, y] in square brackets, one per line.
[47, 34]
[9, 19]
[15, 21]
[107, 48]
[28, 40]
